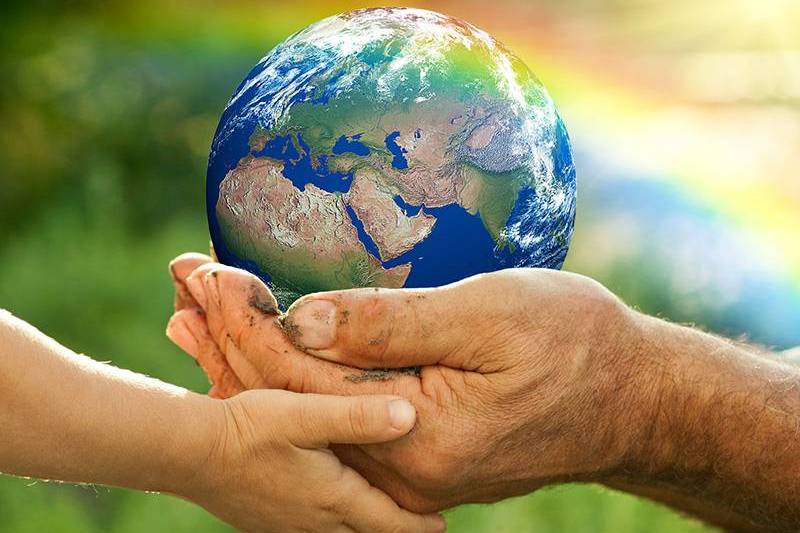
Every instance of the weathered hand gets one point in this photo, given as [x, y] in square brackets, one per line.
[511, 373]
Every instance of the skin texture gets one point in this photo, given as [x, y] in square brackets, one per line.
[259, 461]
[521, 378]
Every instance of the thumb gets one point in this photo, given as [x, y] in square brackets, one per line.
[323, 419]
[386, 328]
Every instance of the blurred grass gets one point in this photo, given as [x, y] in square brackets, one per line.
[108, 111]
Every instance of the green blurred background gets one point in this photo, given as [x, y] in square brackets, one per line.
[685, 120]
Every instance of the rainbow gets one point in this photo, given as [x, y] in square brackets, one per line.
[737, 162]
[766, 211]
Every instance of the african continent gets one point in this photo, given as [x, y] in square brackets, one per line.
[389, 147]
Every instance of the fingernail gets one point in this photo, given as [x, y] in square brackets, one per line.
[195, 285]
[179, 333]
[402, 415]
[439, 522]
[312, 324]
[172, 273]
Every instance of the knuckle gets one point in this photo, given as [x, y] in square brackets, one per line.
[377, 307]
[386, 324]
[330, 500]
[308, 421]
[358, 415]
[329, 503]
[341, 501]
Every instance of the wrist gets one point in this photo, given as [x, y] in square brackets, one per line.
[651, 386]
[626, 383]
[680, 372]
[186, 469]
[718, 437]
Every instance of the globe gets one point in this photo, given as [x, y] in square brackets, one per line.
[389, 147]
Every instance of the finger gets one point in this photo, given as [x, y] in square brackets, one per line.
[241, 318]
[388, 472]
[187, 328]
[236, 304]
[179, 333]
[247, 373]
[229, 289]
[324, 419]
[373, 510]
[179, 269]
[387, 327]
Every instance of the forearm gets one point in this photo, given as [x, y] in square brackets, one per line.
[720, 438]
[67, 417]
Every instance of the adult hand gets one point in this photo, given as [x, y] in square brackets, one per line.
[521, 378]
[515, 387]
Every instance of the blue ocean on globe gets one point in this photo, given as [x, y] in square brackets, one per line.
[389, 147]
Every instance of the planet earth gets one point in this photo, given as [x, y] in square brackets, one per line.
[389, 147]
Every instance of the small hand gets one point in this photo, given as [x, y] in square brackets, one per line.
[512, 374]
[269, 468]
